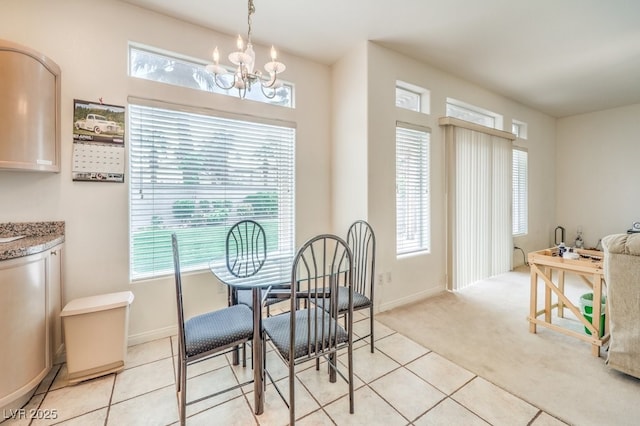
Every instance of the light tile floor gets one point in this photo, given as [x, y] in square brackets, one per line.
[402, 383]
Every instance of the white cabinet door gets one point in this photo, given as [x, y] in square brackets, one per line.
[30, 326]
[24, 354]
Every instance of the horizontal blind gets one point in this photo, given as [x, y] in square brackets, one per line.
[413, 227]
[520, 191]
[197, 175]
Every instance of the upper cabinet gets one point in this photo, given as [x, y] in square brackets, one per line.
[29, 110]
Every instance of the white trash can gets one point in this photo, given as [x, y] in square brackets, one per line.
[95, 334]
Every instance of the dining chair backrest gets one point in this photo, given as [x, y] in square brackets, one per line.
[246, 248]
[362, 241]
[320, 266]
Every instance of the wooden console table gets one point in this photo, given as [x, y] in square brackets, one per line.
[589, 268]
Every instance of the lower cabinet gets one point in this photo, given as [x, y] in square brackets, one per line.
[30, 329]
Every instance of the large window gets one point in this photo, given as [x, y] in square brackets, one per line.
[413, 229]
[520, 192]
[197, 174]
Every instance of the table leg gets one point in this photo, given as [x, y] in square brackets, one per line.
[258, 361]
[533, 299]
[547, 296]
[597, 303]
[561, 288]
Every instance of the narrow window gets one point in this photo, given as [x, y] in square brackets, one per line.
[520, 192]
[413, 229]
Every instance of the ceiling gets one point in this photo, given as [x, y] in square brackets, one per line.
[561, 57]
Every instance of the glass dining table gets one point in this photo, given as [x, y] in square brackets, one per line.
[276, 272]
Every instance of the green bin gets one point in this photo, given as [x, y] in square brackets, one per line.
[586, 307]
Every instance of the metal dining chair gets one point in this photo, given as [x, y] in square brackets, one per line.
[311, 330]
[205, 336]
[246, 252]
[362, 241]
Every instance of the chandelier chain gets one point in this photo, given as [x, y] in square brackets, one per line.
[252, 10]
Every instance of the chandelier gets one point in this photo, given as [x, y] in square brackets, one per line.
[244, 59]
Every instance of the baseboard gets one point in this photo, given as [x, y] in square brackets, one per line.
[147, 336]
[409, 299]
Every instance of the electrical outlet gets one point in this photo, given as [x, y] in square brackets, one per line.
[380, 280]
[387, 277]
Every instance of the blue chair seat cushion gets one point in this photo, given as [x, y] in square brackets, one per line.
[310, 324]
[359, 300]
[213, 330]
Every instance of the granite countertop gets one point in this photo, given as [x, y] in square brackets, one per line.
[38, 237]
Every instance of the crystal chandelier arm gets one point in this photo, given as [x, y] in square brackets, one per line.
[217, 70]
[271, 91]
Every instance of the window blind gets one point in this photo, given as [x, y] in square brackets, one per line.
[520, 191]
[196, 175]
[412, 190]
[482, 242]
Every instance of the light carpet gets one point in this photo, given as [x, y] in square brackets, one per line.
[484, 329]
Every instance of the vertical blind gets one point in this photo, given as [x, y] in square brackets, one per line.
[197, 174]
[413, 233]
[483, 243]
[520, 193]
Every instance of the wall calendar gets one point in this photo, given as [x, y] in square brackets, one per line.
[98, 142]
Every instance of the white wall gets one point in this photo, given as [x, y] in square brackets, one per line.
[409, 278]
[88, 40]
[598, 172]
[350, 162]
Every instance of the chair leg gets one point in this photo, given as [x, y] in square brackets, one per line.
[371, 326]
[235, 355]
[264, 361]
[350, 362]
[292, 394]
[179, 378]
[183, 393]
[244, 354]
[333, 364]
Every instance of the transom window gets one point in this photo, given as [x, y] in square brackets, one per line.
[412, 97]
[473, 114]
[197, 174]
[519, 129]
[179, 70]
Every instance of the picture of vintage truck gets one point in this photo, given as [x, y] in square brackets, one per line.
[98, 124]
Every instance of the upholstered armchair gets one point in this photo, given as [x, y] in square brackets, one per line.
[622, 275]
